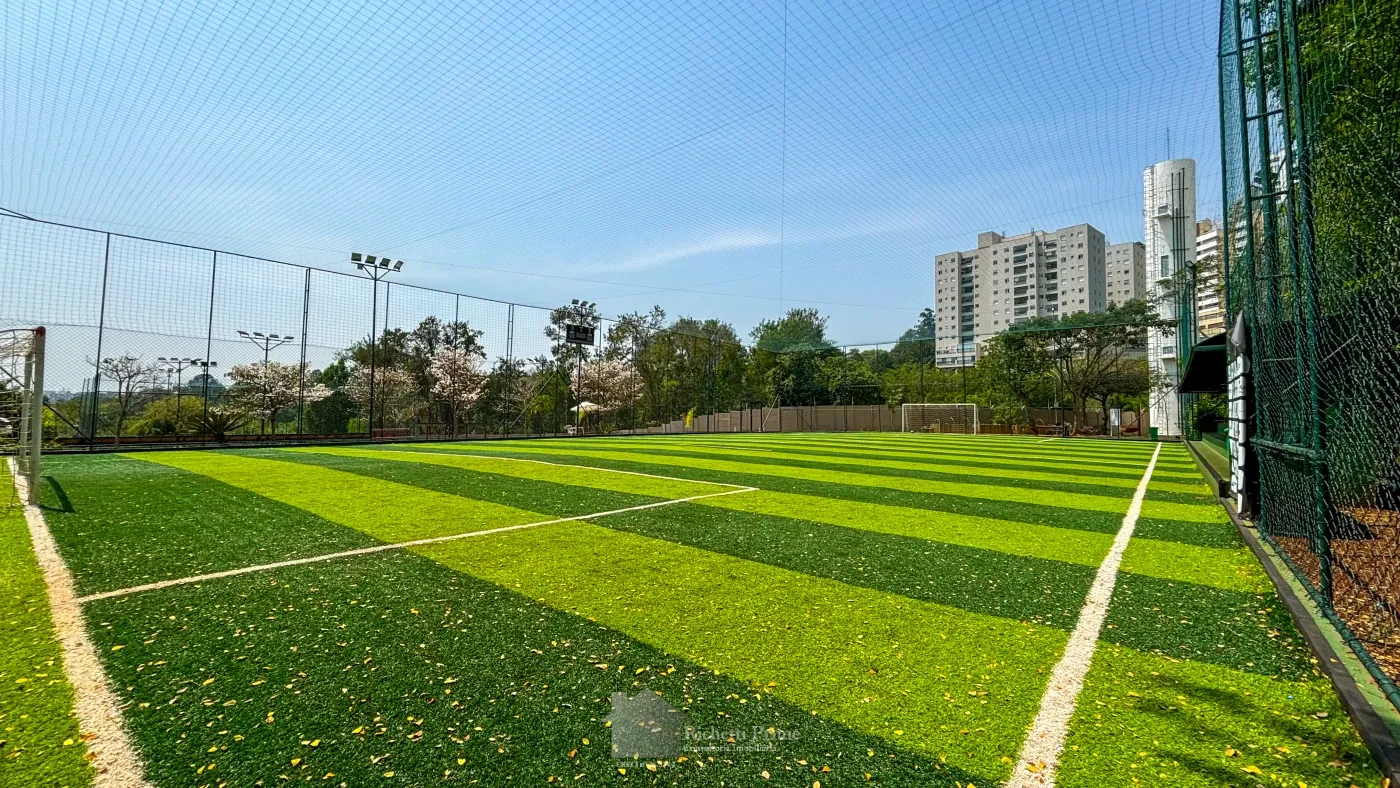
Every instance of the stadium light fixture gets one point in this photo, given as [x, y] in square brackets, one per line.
[178, 366]
[376, 268]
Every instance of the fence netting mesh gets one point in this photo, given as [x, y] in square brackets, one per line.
[1310, 113]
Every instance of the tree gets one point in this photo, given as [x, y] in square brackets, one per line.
[1016, 370]
[848, 380]
[132, 377]
[786, 355]
[265, 388]
[393, 388]
[457, 378]
[611, 384]
[1088, 350]
[916, 344]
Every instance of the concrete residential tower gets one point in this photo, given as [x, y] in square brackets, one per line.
[1169, 233]
[1210, 312]
[1005, 281]
[1125, 272]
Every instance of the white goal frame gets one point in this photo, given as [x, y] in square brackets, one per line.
[950, 417]
[22, 402]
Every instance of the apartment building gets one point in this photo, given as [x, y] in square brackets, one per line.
[1008, 280]
[1125, 272]
[1210, 309]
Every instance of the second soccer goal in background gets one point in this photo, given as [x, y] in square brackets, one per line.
[937, 417]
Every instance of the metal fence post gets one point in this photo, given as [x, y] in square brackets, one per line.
[97, 362]
[301, 371]
[209, 334]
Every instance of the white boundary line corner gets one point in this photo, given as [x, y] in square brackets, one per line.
[114, 761]
[1039, 759]
[379, 548]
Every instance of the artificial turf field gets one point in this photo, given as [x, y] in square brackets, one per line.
[897, 601]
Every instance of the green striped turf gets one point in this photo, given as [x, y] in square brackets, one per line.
[957, 456]
[963, 489]
[890, 490]
[394, 664]
[969, 579]
[1100, 521]
[1229, 686]
[584, 560]
[878, 663]
[1206, 565]
[123, 522]
[1069, 481]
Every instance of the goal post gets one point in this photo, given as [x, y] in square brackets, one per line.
[22, 402]
[958, 417]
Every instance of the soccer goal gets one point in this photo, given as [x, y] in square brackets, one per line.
[22, 402]
[931, 417]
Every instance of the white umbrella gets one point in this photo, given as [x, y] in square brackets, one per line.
[586, 407]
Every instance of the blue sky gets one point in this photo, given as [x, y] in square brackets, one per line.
[703, 155]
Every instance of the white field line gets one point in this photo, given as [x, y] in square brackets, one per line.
[1040, 754]
[568, 465]
[393, 546]
[114, 760]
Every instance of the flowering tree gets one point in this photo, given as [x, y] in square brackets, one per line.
[457, 378]
[611, 384]
[393, 388]
[265, 388]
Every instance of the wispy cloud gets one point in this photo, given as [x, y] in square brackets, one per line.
[715, 242]
[659, 256]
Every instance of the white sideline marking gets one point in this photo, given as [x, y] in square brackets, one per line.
[1046, 739]
[563, 465]
[114, 761]
[394, 546]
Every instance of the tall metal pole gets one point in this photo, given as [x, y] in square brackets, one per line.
[209, 331]
[301, 370]
[373, 340]
[97, 362]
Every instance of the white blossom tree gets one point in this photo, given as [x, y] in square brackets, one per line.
[611, 384]
[266, 388]
[393, 389]
[458, 378]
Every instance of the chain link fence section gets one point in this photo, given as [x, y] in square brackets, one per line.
[1310, 121]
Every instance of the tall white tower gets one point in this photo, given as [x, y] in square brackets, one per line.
[1169, 232]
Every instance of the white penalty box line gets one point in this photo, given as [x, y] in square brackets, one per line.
[379, 548]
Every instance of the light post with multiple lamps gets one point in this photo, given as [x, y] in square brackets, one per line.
[267, 342]
[178, 366]
[581, 309]
[375, 268]
[206, 366]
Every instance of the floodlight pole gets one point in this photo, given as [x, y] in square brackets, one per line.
[375, 268]
[267, 342]
[206, 366]
[582, 307]
[179, 365]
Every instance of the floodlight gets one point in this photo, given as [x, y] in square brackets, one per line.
[370, 259]
[384, 262]
[242, 333]
[575, 302]
[398, 266]
[355, 257]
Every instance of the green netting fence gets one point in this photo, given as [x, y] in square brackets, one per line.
[1310, 134]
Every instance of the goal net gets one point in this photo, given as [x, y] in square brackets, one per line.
[22, 402]
[928, 417]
